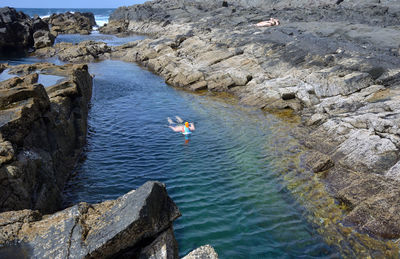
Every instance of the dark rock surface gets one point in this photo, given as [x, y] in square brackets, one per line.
[132, 226]
[42, 133]
[336, 64]
[19, 32]
[164, 246]
[70, 23]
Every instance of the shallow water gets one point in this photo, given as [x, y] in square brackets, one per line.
[111, 40]
[226, 180]
[44, 79]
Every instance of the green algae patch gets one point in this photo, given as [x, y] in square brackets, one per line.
[326, 215]
[287, 115]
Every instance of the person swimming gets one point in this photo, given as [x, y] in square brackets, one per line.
[185, 129]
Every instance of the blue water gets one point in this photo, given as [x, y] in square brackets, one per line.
[227, 180]
[44, 79]
[111, 40]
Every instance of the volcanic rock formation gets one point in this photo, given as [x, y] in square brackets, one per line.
[42, 132]
[19, 32]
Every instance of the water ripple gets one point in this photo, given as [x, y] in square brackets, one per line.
[227, 180]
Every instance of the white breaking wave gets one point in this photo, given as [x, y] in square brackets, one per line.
[101, 20]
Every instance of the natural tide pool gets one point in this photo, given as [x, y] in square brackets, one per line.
[239, 181]
[228, 180]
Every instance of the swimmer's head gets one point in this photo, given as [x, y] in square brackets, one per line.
[187, 124]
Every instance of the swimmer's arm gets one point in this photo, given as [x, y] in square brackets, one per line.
[191, 126]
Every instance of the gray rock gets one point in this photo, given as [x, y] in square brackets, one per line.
[367, 152]
[203, 252]
[70, 23]
[86, 51]
[394, 172]
[316, 119]
[42, 133]
[101, 230]
[114, 28]
[43, 39]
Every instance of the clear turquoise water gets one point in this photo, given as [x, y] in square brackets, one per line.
[225, 180]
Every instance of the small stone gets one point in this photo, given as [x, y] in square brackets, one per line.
[203, 252]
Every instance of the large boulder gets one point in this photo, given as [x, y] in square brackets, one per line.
[17, 31]
[42, 132]
[43, 39]
[136, 225]
[69, 23]
[114, 27]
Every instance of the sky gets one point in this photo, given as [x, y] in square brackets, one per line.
[69, 3]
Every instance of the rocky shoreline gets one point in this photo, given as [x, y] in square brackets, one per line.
[339, 71]
[136, 225]
[43, 130]
[336, 64]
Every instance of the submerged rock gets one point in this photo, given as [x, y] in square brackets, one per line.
[136, 225]
[42, 132]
